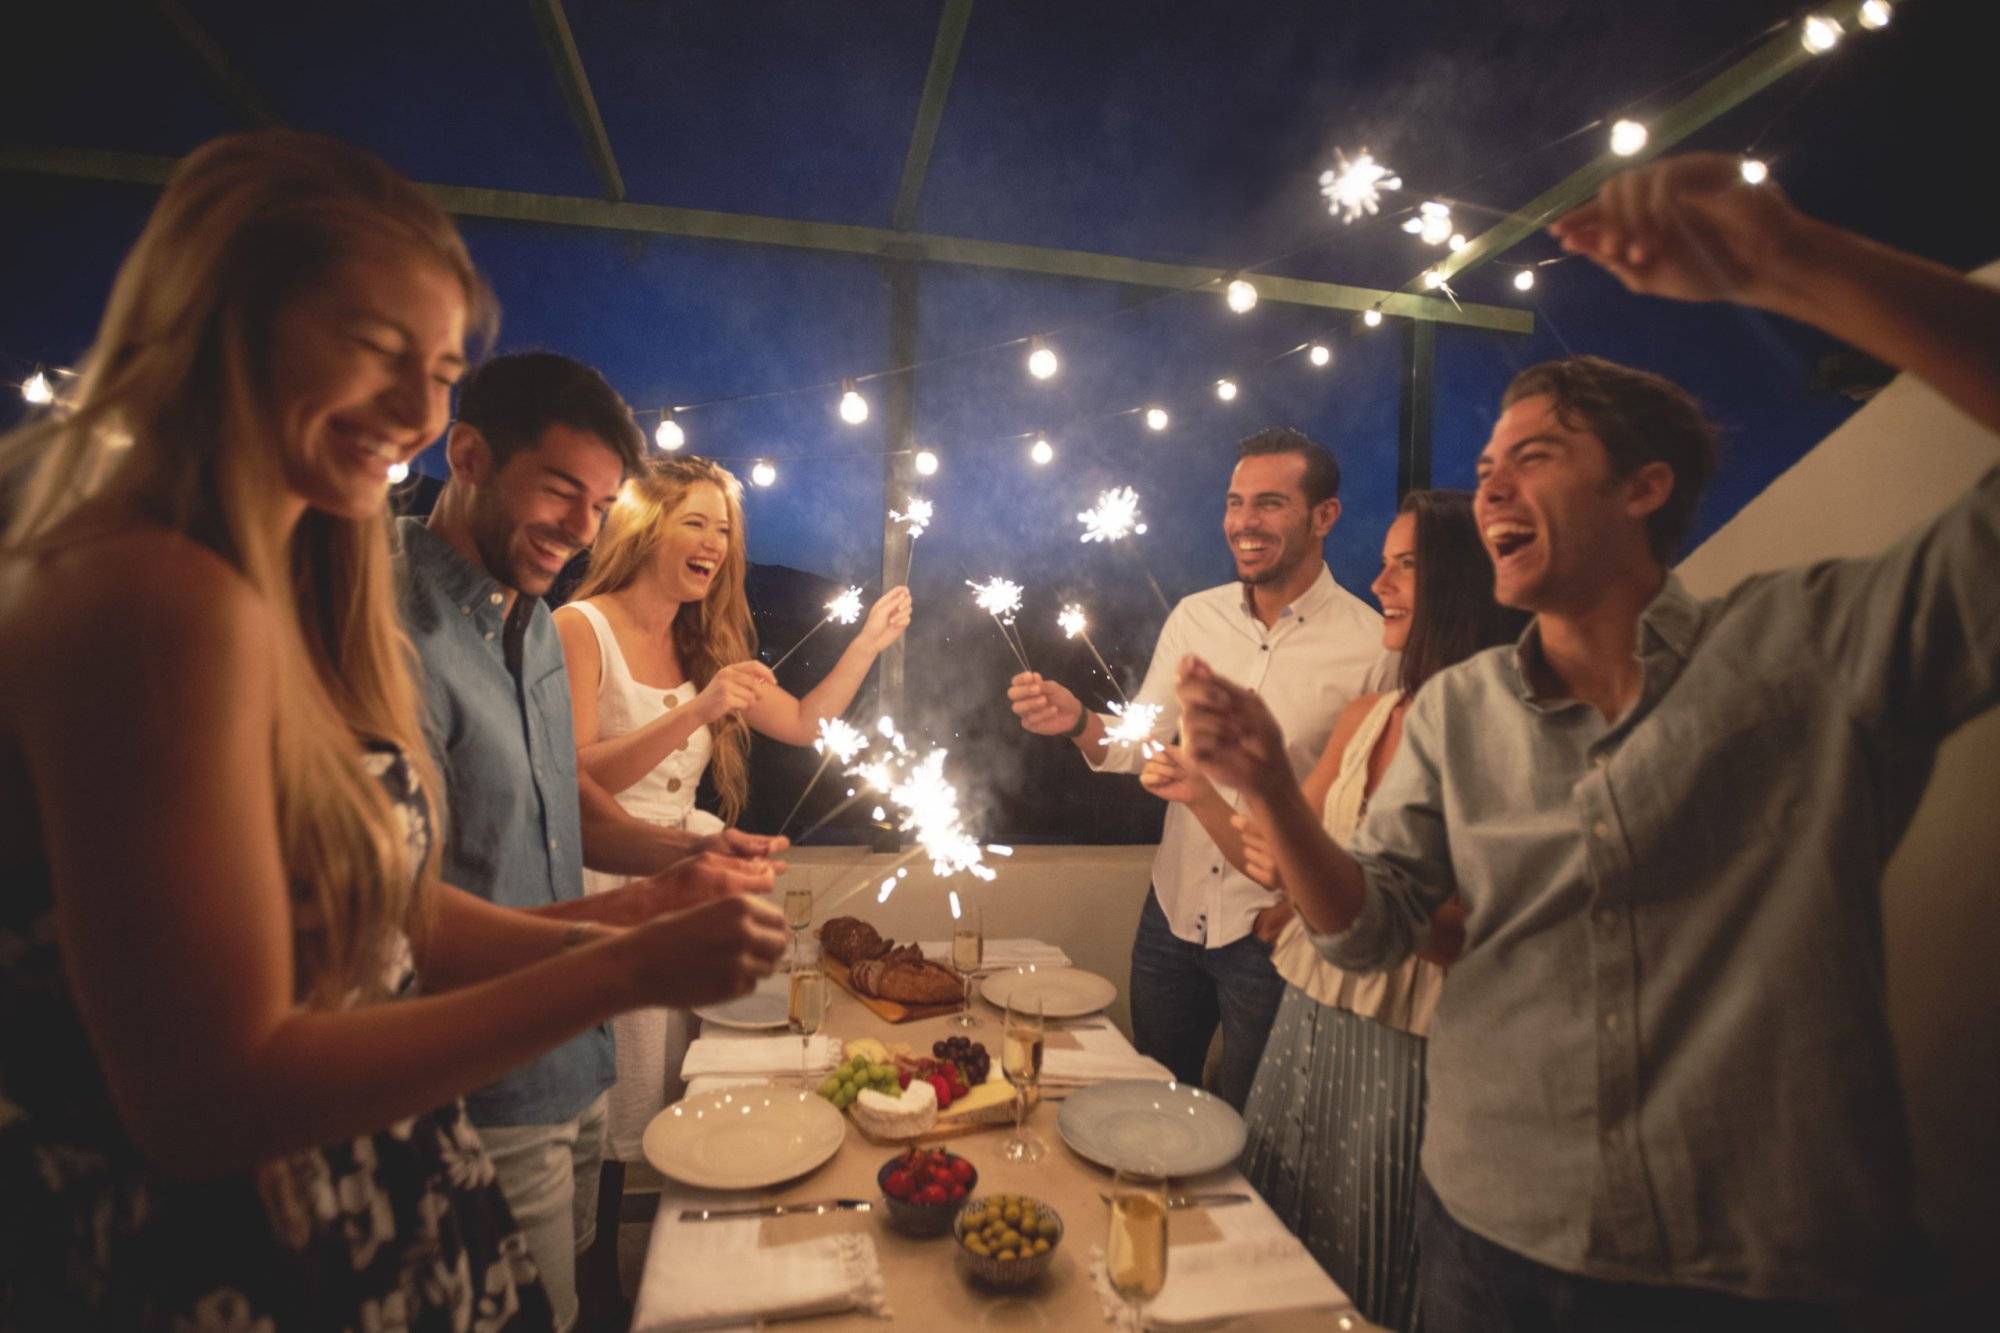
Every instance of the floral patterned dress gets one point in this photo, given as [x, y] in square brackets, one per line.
[401, 1229]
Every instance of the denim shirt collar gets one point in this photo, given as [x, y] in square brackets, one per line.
[438, 563]
[1670, 623]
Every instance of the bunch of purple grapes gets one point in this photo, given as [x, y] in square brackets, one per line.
[968, 1055]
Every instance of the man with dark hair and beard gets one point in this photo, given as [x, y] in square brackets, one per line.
[538, 451]
[1202, 957]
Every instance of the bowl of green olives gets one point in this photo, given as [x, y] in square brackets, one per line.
[1008, 1240]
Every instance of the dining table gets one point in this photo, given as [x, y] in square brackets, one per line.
[925, 1282]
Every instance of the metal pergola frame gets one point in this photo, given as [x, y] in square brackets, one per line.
[903, 249]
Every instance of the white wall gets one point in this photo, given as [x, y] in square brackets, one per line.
[1896, 462]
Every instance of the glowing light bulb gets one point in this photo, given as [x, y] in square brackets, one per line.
[1242, 296]
[668, 434]
[1433, 279]
[1755, 171]
[1820, 34]
[762, 473]
[1319, 354]
[37, 390]
[1627, 137]
[1042, 363]
[1042, 451]
[398, 473]
[1156, 418]
[1875, 15]
[927, 463]
[1524, 280]
[1372, 318]
[1432, 224]
[853, 407]
[1226, 390]
[1457, 242]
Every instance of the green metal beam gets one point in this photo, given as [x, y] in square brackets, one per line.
[1765, 65]
[242, 96]
[930, 110]
[553, 24]
[878, 242]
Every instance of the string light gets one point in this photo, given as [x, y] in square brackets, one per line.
[1354, 188]
[853, 407]
[1457, 242]
[1524, 280]
[1041, 451]
[1875, 15]
[1433, 279]
[1156, 418]
[1319, 354]
[762, 473]
[1241, 295]
[1755, 171]
[1627, 137]
[668, 434]
[1432, 225]
[1042, 363]
[1225, 389]
[927, 463]
[1372, 317]
[37, 390]
[1820, 34]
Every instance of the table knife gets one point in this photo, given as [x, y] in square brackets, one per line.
[1205, 1200]
[775, 1210]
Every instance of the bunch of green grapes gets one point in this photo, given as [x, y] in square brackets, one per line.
[846, 1082]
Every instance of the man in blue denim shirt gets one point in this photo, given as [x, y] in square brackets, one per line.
[1662, 1093]
[538, 451]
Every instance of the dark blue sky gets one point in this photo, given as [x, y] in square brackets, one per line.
[1190, 132]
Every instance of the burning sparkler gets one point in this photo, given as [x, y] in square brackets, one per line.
[837, 740]
[1001, 599]
[845, 608]
[1135, 727]
[914, 519]
[929, 806]
[1074, 625]
[1354, 188]
[1116, 515]
[1432, 225]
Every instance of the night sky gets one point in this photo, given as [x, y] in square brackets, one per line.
[1179, 132]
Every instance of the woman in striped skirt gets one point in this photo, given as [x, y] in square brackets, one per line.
[1336, 1113]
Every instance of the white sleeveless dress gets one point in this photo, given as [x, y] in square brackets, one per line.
[651, 1042]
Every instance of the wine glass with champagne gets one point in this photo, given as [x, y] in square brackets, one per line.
[1135, 1253]
[1021, 1062]
[798, 915]
[805, 1012]
[968, 950]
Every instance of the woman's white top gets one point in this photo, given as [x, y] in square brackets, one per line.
[651, 1042]
[1404, 997]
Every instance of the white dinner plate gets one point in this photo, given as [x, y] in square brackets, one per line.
[764, 1007]
[1066, 992]
[1139, 1123]
[744, 1138]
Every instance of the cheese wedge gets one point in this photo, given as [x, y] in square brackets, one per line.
[904, 1117]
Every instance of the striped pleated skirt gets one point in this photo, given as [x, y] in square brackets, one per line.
[1335, 1121]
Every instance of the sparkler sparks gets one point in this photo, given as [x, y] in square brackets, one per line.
[1070, 620]
[840, 739]
[1115, 516]
[997, 597]
[914, 519]
[1134, 726]
[1432, 225]
[846, 608]
[1354, 188]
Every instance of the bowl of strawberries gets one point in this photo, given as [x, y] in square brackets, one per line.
[925, 1188]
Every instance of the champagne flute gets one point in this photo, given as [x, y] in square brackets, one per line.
[968, 950]
[1021, 1062]
[798, 915]
[1135, 1253]
[805, 1013]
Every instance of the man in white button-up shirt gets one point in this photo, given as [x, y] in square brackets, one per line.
[1308, 646]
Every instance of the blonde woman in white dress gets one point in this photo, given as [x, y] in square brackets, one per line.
[664, 684]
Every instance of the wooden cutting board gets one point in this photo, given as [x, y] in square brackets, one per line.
[889, 1010]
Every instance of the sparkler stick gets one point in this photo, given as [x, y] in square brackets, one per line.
[837, 740]
[862, 883]
[1073, 624]
[914, 520]
[1001, 599]
[846, 608]
[1114, 517]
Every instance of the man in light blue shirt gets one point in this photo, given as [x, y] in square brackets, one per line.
[1662, 1092]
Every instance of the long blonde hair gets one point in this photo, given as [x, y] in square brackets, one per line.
[707, 635]
[171, 423]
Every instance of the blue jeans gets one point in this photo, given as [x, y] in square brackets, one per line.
[1467, 1284]
[549, 1175]
[1181, 990]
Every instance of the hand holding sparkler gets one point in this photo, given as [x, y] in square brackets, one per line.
[1045, 707]
[732, 689]
[887, 619]
[1170, 775]
[1230, 734]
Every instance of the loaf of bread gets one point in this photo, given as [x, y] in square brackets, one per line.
[907, 977]
[850, 939]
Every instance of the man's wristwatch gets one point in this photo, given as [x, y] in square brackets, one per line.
[1082, 723]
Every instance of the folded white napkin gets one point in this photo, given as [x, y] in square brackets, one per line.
[1226, 1279]
[771, 1056]
[714, 1275]
[1103, 1054]
[999, 954]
